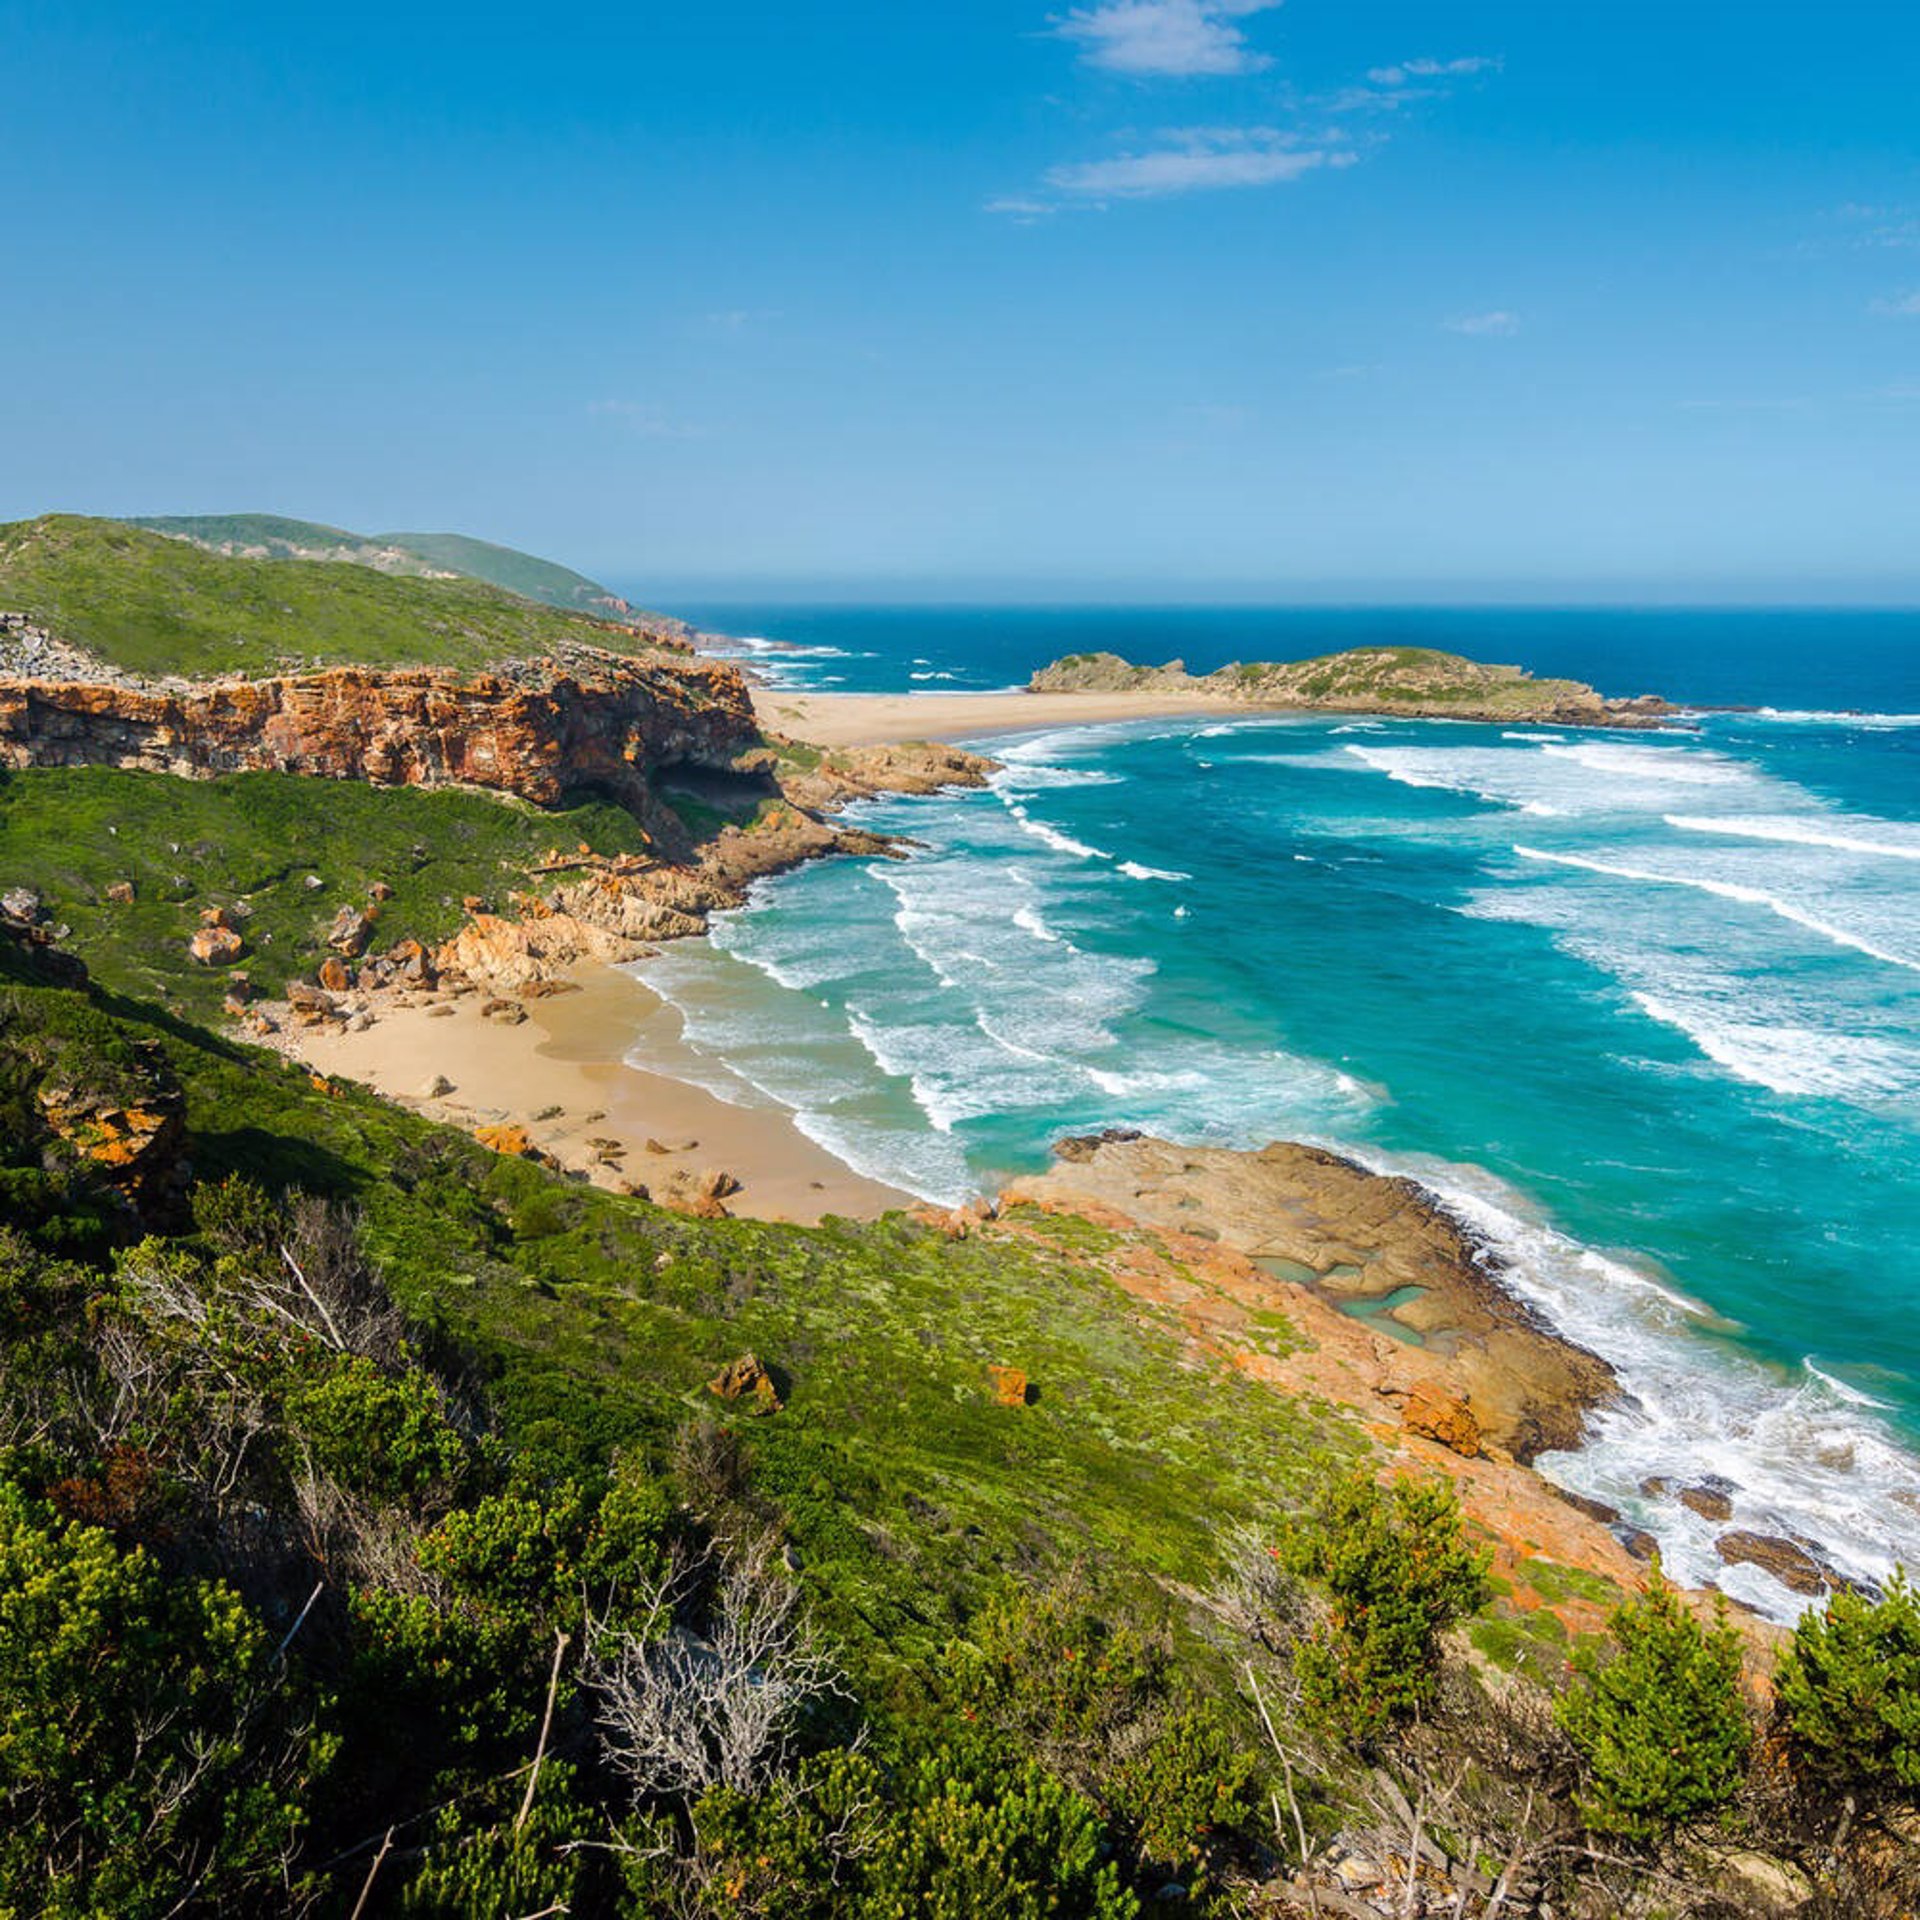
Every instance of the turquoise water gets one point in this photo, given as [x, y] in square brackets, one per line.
[1645, 1008]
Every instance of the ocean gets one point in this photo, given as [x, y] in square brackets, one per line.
[1644, 1007]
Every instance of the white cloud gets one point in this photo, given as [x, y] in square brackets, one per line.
[1166, 37]
[1398, 76]
[1905, 306]
[1199, 159]
[1499, 325]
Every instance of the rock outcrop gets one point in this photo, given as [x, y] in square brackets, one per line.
[1414, 682]
[1472, 1368]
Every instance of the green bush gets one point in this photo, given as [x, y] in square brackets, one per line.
[1399, 1572]
[1660, 1723]
[140, 1756]
[1848, 1691]
[386, 1436]
[979, 1837]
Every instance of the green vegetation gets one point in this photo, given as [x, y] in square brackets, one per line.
[271, 536]
[151, 605]
[1848, 1690]
[1659, 1722]
[249, 841]
[1399, 1572]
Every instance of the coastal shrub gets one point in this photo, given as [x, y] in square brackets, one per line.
[1659, 1722]
[1398, 1572]
[1848, 1693]
[511, 1867]
[981, 1833]
[388, 1437]
[141, 1758]
[1185, 1796]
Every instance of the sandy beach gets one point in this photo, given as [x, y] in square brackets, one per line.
[885, 719]
[560, 1075]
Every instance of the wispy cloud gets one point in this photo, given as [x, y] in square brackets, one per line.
[1198, 160]
[1904, 306]
[647, 421]
[1166, 37]
[1498, 325]
[1407, 70]
[1388, 89]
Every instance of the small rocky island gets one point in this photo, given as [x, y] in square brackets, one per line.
[1412, 682]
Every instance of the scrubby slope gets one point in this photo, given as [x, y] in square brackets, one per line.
[148, 605]
[271, 536]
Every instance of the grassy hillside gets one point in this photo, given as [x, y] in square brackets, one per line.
[249, 842]
[274, 537]
[151, 605]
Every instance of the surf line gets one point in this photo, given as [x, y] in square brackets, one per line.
[1728, 890]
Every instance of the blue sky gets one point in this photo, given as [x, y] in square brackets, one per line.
[1365, 299]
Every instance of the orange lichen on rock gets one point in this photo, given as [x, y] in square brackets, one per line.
[747, 1379]
[1010, 1386]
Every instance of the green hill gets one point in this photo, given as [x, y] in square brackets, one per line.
[272, 536]
[152, 605]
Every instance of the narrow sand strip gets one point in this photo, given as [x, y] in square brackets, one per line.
[887, 719]
[560, 1075]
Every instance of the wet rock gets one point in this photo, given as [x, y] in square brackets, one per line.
[1791, 1564]
[1709, 1502]
[1079, 1148]
[215, 946]
[1638, 1542]
[1582, 1503]
[746, 1379]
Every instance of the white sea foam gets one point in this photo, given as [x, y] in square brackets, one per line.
[1882, 839]
[1735, 891]
[1135, 871]
[1054, 838]
[1030, 921]
[1552, 739]
[1802, 1457]
[1679, 766]
[1799, 717]
[1801, 1060]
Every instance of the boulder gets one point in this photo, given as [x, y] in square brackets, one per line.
[216, 917]
[508, 1012]
[350, 932]
[121, 893]
[379, 891]
[1010, 1386]
[515, 1142]
[437, 1088]
[335, 975]
[746, 1379]
[304, 998]
[715, 1184]
[215, 946]
[1791, 1564]
[413, 963]
[21, 904]
[313, 883]
[1709, 1502]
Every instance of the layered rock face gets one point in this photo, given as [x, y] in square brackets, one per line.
[541, 730]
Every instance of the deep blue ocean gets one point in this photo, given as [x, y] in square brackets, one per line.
[1645, 1007]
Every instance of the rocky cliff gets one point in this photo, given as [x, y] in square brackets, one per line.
[541, 730]
[1415, 682]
